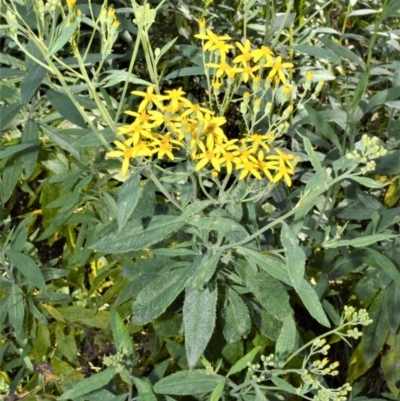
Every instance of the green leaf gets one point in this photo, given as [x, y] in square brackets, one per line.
[122, 339]
[95, 382]
[154, 299]
[342, 51]
[144, 389]
[237, 318]
[185, 72]
[52, 134]
[390, 364]
[13, 149]
[11, 174]
[286, 341]
[269, 291]
[195, 208]
[7, 114]
[375, 334]
[220, 224]
[188, 383]
[318, 53]
[380, 98]
[199, 313]
[16, 312]
[164, 49]
[205, 270]
[393, 310]
[361, 241]
[216, 394]
[295, 257]
[323, 126]
[283, 385]
[312, 303]
[63, 104]
[66, 344]
[30, 136]
[242, 363]
[128, 197]
[384, 263]
[313, 157]
[368, 182]
[133, 237]
[275, 267]
[27, 267]
[31, 81]
[65, 36]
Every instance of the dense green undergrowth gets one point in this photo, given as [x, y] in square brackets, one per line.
[200, 200]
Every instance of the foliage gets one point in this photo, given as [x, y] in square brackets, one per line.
[191, 195]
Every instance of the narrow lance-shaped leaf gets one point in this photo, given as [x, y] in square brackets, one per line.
[286, 340]
[205, 270]
[199, 313]
[375, 334]
[27, 267]
[134, 237]
[323, 126]
[295, 257]
[16, 310]
[237, 318]
[127, 199]
[242, 363]
[122, 339]
[144, 389]
[312, 303]
[154, 299]
[89, 384]
[188, 383]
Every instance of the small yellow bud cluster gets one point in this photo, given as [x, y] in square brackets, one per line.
[109, 27]
[12, 22]
[370, 149]
[268, 360]
[144, 16]
[319, 367]
[117, 360]
[51, 5]
[354, 317]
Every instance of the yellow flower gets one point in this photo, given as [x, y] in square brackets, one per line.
[247, 155]
[209, 155]
[149, 98]
[277, 68]
[263, 54]
[248, 167]
[223, 68]
[284, 166]
[212, 130]
[231, 153]
[212, 39]
[222, 48]
[258, 141]
[195, 110]
[248, 71]
[245, 57]
[136, 131]
[164, 146]
[265, 166]
[128, 152]
[176, 96]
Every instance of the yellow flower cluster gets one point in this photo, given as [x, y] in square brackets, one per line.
[170, 123]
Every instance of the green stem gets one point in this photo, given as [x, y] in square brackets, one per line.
[314, 195]
[162, 189]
